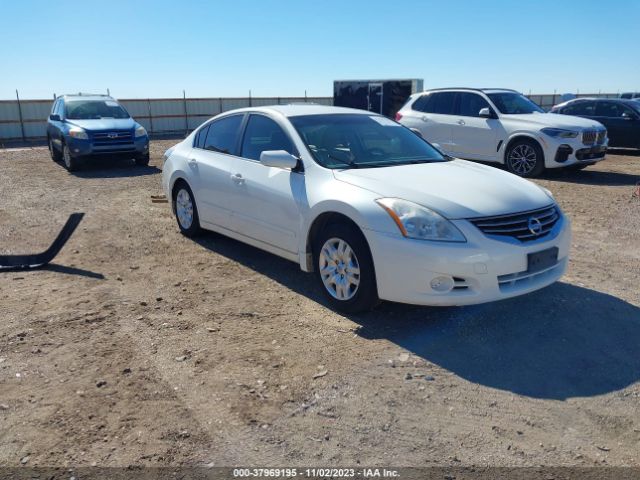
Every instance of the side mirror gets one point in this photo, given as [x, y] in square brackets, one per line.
[417, 132]
[54, 118]
[485, 113]
[279, 159]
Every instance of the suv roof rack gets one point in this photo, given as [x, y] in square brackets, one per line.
[81, 94]
[471, 89]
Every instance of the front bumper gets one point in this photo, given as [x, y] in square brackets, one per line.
[484, 269]
[81, 148]
[564, 152]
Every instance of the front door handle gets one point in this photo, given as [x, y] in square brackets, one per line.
[192, 161]
[461, 122]
[237, 179]
[425, 118]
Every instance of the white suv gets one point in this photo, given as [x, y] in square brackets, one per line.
[504, 126]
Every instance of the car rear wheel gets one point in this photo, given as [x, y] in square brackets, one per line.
[525, 158]
[70, 162]
[185, 209]
[56, 156]
[344, 268]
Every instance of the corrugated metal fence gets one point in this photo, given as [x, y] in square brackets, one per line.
[26, 120]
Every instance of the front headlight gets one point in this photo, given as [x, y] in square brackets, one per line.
[78, 133]
[560, 132]
[416, 221]
[140, 131]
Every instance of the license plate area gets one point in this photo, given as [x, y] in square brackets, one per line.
[542, 260]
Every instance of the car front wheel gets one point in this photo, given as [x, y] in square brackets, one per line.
[344, 268]
[70, 162]
[525, 158]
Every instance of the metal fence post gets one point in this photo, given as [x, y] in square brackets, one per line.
[150, 115]
[250, 98]
[20, 115]
[186, 114]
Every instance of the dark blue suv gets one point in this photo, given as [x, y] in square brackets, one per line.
[80, 126]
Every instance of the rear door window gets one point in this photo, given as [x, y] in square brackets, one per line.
[222, 135]
[442, 103]
[586, 109]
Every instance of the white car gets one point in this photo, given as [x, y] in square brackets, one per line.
[503, 126]
[373, 209]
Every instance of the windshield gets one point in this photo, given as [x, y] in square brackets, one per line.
[362, 141]
[512, 103]
[94, 109]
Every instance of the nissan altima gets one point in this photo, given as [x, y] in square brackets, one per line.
[374, 210]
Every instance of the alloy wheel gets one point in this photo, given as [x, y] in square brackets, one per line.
[339, 269]
[184, 209]
[522, 159]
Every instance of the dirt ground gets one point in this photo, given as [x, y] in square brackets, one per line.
[141, 347]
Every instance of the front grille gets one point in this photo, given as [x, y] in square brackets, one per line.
[602, 134]
[524, 226]
[112, 138]
[589, 137]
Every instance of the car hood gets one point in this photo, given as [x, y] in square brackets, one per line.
[455, 189]
[105, 124]
[555, 120]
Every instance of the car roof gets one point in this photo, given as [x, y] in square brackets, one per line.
[624, 101]
[299, 109]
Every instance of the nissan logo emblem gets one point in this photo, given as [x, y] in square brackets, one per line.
[535, 226]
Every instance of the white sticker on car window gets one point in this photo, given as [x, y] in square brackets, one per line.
[384, 121]
[111, 103]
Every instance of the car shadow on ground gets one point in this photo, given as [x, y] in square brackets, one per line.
[106, 167]
[561, 342]
[591, 177]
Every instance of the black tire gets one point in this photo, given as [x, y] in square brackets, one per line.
[56, 155]
[71, 163]
[143, 160]
[365, 295]
[187, 229]
[524, 158]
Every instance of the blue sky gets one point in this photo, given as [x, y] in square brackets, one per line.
[139, 48]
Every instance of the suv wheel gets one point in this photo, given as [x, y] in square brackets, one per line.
[56, 156]
[70, 161]
[344, 268]
[525, 158]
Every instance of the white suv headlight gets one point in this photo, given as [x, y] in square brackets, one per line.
[140, 131]
[79, 133]
[560, 132]
[416, 221]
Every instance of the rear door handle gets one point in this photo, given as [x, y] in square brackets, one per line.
[237, 179]
[424, 118]
[192, 161]
[461, 122]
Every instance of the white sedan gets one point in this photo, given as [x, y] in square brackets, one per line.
[373, 209]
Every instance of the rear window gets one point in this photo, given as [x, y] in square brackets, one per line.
[94, 109]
